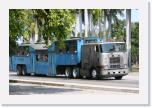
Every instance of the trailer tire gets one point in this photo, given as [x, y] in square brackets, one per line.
[24, 71]
[118, 77]
[76, 72]
[19, 70]
[68, 72]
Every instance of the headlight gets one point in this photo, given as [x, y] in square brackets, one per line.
[125, 66]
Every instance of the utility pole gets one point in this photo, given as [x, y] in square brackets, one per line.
[128, 36]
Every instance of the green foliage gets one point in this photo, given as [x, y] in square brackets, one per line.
[96, 15]
[17, 27]
[135, 43]
[119, 30]
[55, 23]
[16, 23]
[12, 47]
[52, 24]
[111, 15]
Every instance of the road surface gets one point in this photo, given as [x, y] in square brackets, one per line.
[130, 82]
[34, 89]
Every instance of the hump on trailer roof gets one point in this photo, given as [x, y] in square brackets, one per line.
[37, 46]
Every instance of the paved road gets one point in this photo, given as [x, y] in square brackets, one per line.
[33, 89]
[130, 80]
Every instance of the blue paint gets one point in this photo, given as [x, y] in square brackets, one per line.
[69, 57]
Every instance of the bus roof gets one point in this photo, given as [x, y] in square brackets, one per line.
[102, 43]
[78, 38]
[37, 46]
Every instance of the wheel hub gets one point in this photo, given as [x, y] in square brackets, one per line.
[94, 73]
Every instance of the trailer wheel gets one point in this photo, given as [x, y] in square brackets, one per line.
[94, 73]
[118, 77]
[24, 71]
[76, 73]
[19, 70]
[68, 73]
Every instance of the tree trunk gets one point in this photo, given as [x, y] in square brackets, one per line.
[80, 22]
[76, 25]
[104, 28]
[100, 22]
[33, 37]
[128, 36]
[109, 27]
[90, 24]
[86, 22]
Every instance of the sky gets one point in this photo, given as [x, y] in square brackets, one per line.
[134, 15]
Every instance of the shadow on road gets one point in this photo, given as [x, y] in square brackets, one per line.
[29, 89]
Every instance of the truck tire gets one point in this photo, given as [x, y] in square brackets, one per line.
[118, 77]
[76, 73]
[19, 70]
[68, 72]
[94, 73]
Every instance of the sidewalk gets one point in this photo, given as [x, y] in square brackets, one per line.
[133, 73]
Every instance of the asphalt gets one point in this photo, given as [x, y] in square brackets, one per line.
[78, 85]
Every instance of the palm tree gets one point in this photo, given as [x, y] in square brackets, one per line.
[128, 35]
[86, 22]
[79, 22]
[95, 20]
[109, 15]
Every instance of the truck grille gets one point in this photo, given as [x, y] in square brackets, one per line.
[116, 66]
[115, 62]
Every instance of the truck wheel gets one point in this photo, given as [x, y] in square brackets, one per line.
[93, 73]
[19, 70]
[68, 73]
[118, 77]
[75, 73]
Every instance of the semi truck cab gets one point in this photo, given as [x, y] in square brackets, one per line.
[106, 59]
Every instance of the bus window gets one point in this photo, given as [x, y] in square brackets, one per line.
[23, 50]
[42, 57]
[45, 58]
[72, 46]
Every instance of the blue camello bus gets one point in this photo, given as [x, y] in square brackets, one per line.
[80, 57]
[51, 61]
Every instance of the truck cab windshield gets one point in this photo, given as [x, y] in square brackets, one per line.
[113, 47]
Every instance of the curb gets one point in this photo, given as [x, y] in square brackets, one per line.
[75, 85]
